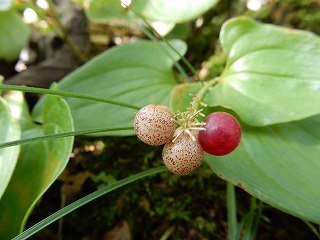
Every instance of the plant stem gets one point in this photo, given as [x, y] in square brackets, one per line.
[312, 228]
[252, 220]
[63, 33]
[188, 120]
[66, 94]
[202, 91]
[167, 233]
[231, 212]
[61, 135]
[207, 85]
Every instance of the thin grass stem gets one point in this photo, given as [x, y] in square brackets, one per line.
[61, 135]
[66, 94]
[312, 228]
[232, 212]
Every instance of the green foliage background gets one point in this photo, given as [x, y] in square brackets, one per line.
[267, 76]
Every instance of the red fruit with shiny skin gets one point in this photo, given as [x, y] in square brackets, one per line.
[222, 134]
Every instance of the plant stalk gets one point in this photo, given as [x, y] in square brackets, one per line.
[61, 135]
[232, 212]
[66, 94]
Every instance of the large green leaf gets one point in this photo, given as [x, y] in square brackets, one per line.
[139, 73]
[14, 34]
[166, 11]
[272, 73]
[278, 164]
[172, 10]
[9, 131]
[102, 10]
[182, 96]
[38, 166]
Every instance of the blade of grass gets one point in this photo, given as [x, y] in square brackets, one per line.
[66, 94]
[73, 206]
[251, 220]
[61, 135]
[312, 228]
[231, 212]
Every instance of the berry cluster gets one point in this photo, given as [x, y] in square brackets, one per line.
[184, 147]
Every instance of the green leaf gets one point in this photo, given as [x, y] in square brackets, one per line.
[19, 108]
[272, 73]
[278, 164]
[103, 10]
[181, 96]
[14, 35]
[39, 164]
[175, 11]
[139, 73]
[168, 12]
[9, 131]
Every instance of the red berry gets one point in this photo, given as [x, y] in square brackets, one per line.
[183, 156]
[222, 134]
[154, 124]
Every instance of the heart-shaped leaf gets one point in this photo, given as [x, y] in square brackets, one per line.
[272, 73]
[139, 73]
[9, 131]
[278, 164]
[14, 34]
[38, 166]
